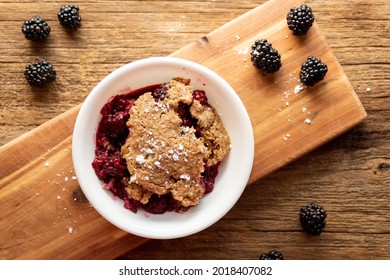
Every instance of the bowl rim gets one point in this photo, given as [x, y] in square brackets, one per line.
[77, 149]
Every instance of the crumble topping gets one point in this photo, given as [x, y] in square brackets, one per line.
[164, 155]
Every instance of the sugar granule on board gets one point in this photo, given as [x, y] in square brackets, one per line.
[297, 89]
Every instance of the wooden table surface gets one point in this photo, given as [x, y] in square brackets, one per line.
[349, 176]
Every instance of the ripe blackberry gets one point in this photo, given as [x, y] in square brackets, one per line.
[36, 29]
[69, 17]
[109, 166]
[160, 93]
[313, 218]
[300, 19]
[40, 73]
[312, 71]
[200, 95]
[264, 257]
[273, 255]
[265, 57]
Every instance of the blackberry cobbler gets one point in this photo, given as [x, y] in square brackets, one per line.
[160, 147]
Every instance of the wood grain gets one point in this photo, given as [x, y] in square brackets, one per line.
[278, 112]
[45, 215]
[349, 175]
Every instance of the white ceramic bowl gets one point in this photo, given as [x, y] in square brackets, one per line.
[233, 172]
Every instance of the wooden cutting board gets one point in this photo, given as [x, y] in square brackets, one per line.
[44, 214]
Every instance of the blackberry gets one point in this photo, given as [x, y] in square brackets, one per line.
[40, 73]
[265, 57]
[273, 255]
[69, 17]
[200, 95]
[36, 29]
[313, 218]
[300, 19]
[264, 257]
[312, 71]
[109, 166]
[160, 93]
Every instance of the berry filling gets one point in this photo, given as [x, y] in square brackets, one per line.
[200, 95]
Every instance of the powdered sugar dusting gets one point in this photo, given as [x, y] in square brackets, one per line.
[291, 106]
[175, 157]
[185, 177]
[140, 159]
[243, 51]
[298, 89]
[63, 186]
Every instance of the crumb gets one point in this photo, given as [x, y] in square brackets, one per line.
[298, 88]
[243, 51]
